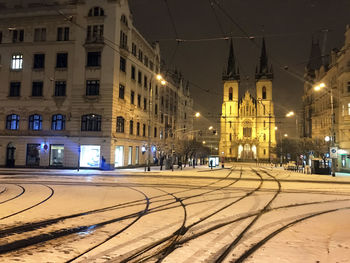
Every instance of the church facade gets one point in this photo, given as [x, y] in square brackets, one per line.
[247, 122]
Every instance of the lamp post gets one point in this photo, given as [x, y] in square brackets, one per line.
[318, 88]
[291, 114]
[150, 98]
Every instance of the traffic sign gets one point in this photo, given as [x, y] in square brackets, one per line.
[333, 152]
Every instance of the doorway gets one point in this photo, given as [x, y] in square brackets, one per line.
[10, 155]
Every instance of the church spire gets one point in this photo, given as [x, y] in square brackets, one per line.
[232, 73]
[263, 70]
[315, 59]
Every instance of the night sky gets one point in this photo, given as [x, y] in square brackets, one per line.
[288, 27]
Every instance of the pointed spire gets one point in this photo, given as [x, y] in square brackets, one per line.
[263, 70]
[231, 72]
[315, 59]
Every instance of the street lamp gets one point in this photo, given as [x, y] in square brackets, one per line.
[210, 128]
[318, 88]
[291, 114]
[286, 135]
[150, 98]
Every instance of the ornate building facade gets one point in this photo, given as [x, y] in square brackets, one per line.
[247, 122]
[79, 87]
[333, 72]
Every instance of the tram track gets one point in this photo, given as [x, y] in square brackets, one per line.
[16, 196]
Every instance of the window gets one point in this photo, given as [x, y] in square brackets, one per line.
[0, 37]
[62, 33]
[264, 93]
[138, 129]
[146, 61]
[139, 77]
[230, 94]
[140, 55]
[145, 104]
[161, 118]
[143, 130]
[349, 86]
[139, 100]
[156, 109]
[96, 11]
[37, 88]
[91, 122]
[124, 20]
[133, 73]
[264, 137]
[230, 136]
[121, 91]
[348, 108]
[120, 124]
[94, 33]
[60, 88]
[133, 49]
[122, 64]
[151, 65]
[39, 34]
[94, 59]
[92, 87]
[39, 61]
[17, 35]
[264, 151]
[131, 127]
[15, 89]
[12, 122]
[132, 97]
[58, 122]
[155, 132]
[247, 132]
[35, 122]
[123, 40]
[62, 60]
[145, 82]
[17, 61]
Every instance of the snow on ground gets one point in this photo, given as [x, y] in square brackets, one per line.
[193, 215]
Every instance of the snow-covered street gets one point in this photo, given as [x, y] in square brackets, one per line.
[243, 213]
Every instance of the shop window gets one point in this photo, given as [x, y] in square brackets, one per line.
[137, 155]
[33, 155]
[58, 122]
[35, 122]
[12, 122]
[130, 156]
[56, 154]
[91, 122]
[119, 156]
[90, 156]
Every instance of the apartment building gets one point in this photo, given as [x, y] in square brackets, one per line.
[79, 86]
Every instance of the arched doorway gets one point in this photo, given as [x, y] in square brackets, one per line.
[10, 155]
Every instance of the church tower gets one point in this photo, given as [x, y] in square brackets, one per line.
[265, 109]
[229, 127]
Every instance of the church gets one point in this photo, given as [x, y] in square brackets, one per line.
[247, 124]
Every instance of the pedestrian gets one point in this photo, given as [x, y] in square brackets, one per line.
[103, 161]
[211, 164]
[161, 162]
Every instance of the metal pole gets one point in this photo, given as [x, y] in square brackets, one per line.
[149, 126]
[334, 160]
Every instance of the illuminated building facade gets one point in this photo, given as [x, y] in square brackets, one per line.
[79, 87]
[334, 75]
[247, 123]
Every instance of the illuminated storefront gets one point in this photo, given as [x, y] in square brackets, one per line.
[119, 156]
[90, 156]
[56, 154]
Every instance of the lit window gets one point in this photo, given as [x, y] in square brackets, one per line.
[35, 122]
[348, 108]
[17, 61]
[12, 122]
[58, 122]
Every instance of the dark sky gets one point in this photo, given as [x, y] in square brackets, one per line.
[288, 26]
